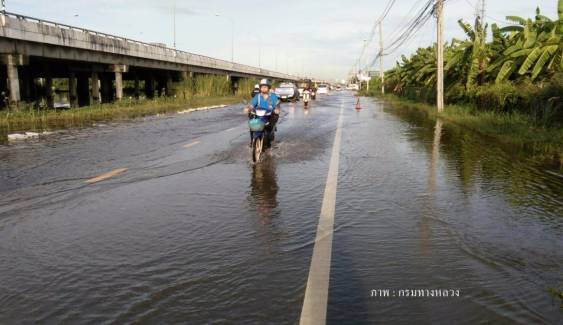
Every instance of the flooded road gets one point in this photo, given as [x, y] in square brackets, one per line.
[179, 227]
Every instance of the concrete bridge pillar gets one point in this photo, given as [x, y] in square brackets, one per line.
[95, 88]
[13, 84]
[169, 84]
[106, 88]
[118, 70]
[72, 90]
[3, 86]
[149, 86]
[136, 85]
[118, 85]
[26, 84]
[82, 90]
[49, 89]
[12, 62]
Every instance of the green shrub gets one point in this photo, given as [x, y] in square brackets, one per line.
[495, 97]
[202, 85]
[245, 87]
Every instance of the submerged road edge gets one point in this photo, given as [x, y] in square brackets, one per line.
[316, 294]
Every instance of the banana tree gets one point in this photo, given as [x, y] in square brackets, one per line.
[536, 47]
[469, 58]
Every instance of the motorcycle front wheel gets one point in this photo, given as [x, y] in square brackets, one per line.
[257, 145]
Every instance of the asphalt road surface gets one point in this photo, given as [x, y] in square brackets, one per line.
[354, 217]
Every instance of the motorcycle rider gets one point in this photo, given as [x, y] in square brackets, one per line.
[268, 101]
[306, 96]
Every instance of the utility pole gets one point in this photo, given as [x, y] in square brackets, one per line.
[381, 72]
[481, 10]
[440, 55]
[259, 52]
[174, 22]
[361, 70]
[232, 41]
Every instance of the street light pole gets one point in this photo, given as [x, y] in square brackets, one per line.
[259, 52]
[232, 36]
[174, 22]
[232, 40]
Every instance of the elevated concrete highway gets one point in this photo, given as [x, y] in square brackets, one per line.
[34, 50]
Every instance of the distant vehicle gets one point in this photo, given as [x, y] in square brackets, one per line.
[287, 91]
[322, 89]
[353, 87]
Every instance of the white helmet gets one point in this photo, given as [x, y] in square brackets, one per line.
[256, 86]
[265, 82]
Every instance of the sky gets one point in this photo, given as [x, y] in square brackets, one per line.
[320, 39]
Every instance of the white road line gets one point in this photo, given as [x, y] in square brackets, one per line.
[316, 293]
[191, 144]
[107, 175]
[229, 130]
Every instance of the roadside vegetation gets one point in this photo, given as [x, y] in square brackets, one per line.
[509, 87]
[195, 92]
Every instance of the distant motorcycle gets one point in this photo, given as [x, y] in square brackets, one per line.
[306, 97]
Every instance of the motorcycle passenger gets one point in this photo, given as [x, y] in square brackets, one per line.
[255, 91]
[270, 102]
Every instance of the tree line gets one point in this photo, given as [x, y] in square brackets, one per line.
[519, 69]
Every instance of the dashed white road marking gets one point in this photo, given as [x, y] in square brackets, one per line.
[191, 144]
[229, 130]
[107, 175]
[316, 293]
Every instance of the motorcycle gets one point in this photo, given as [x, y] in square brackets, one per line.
[306, 97]
[258, 124]
[313, 93]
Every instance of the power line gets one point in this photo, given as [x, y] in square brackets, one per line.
[366, 44]
[407, 33]
[413, 27]
[408, 30]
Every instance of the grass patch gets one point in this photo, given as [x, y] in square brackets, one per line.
[513, 128]
[28, 119]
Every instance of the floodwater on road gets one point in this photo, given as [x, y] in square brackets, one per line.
[180, 227]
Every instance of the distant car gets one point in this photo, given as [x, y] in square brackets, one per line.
[287, 91]
[322, 89]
